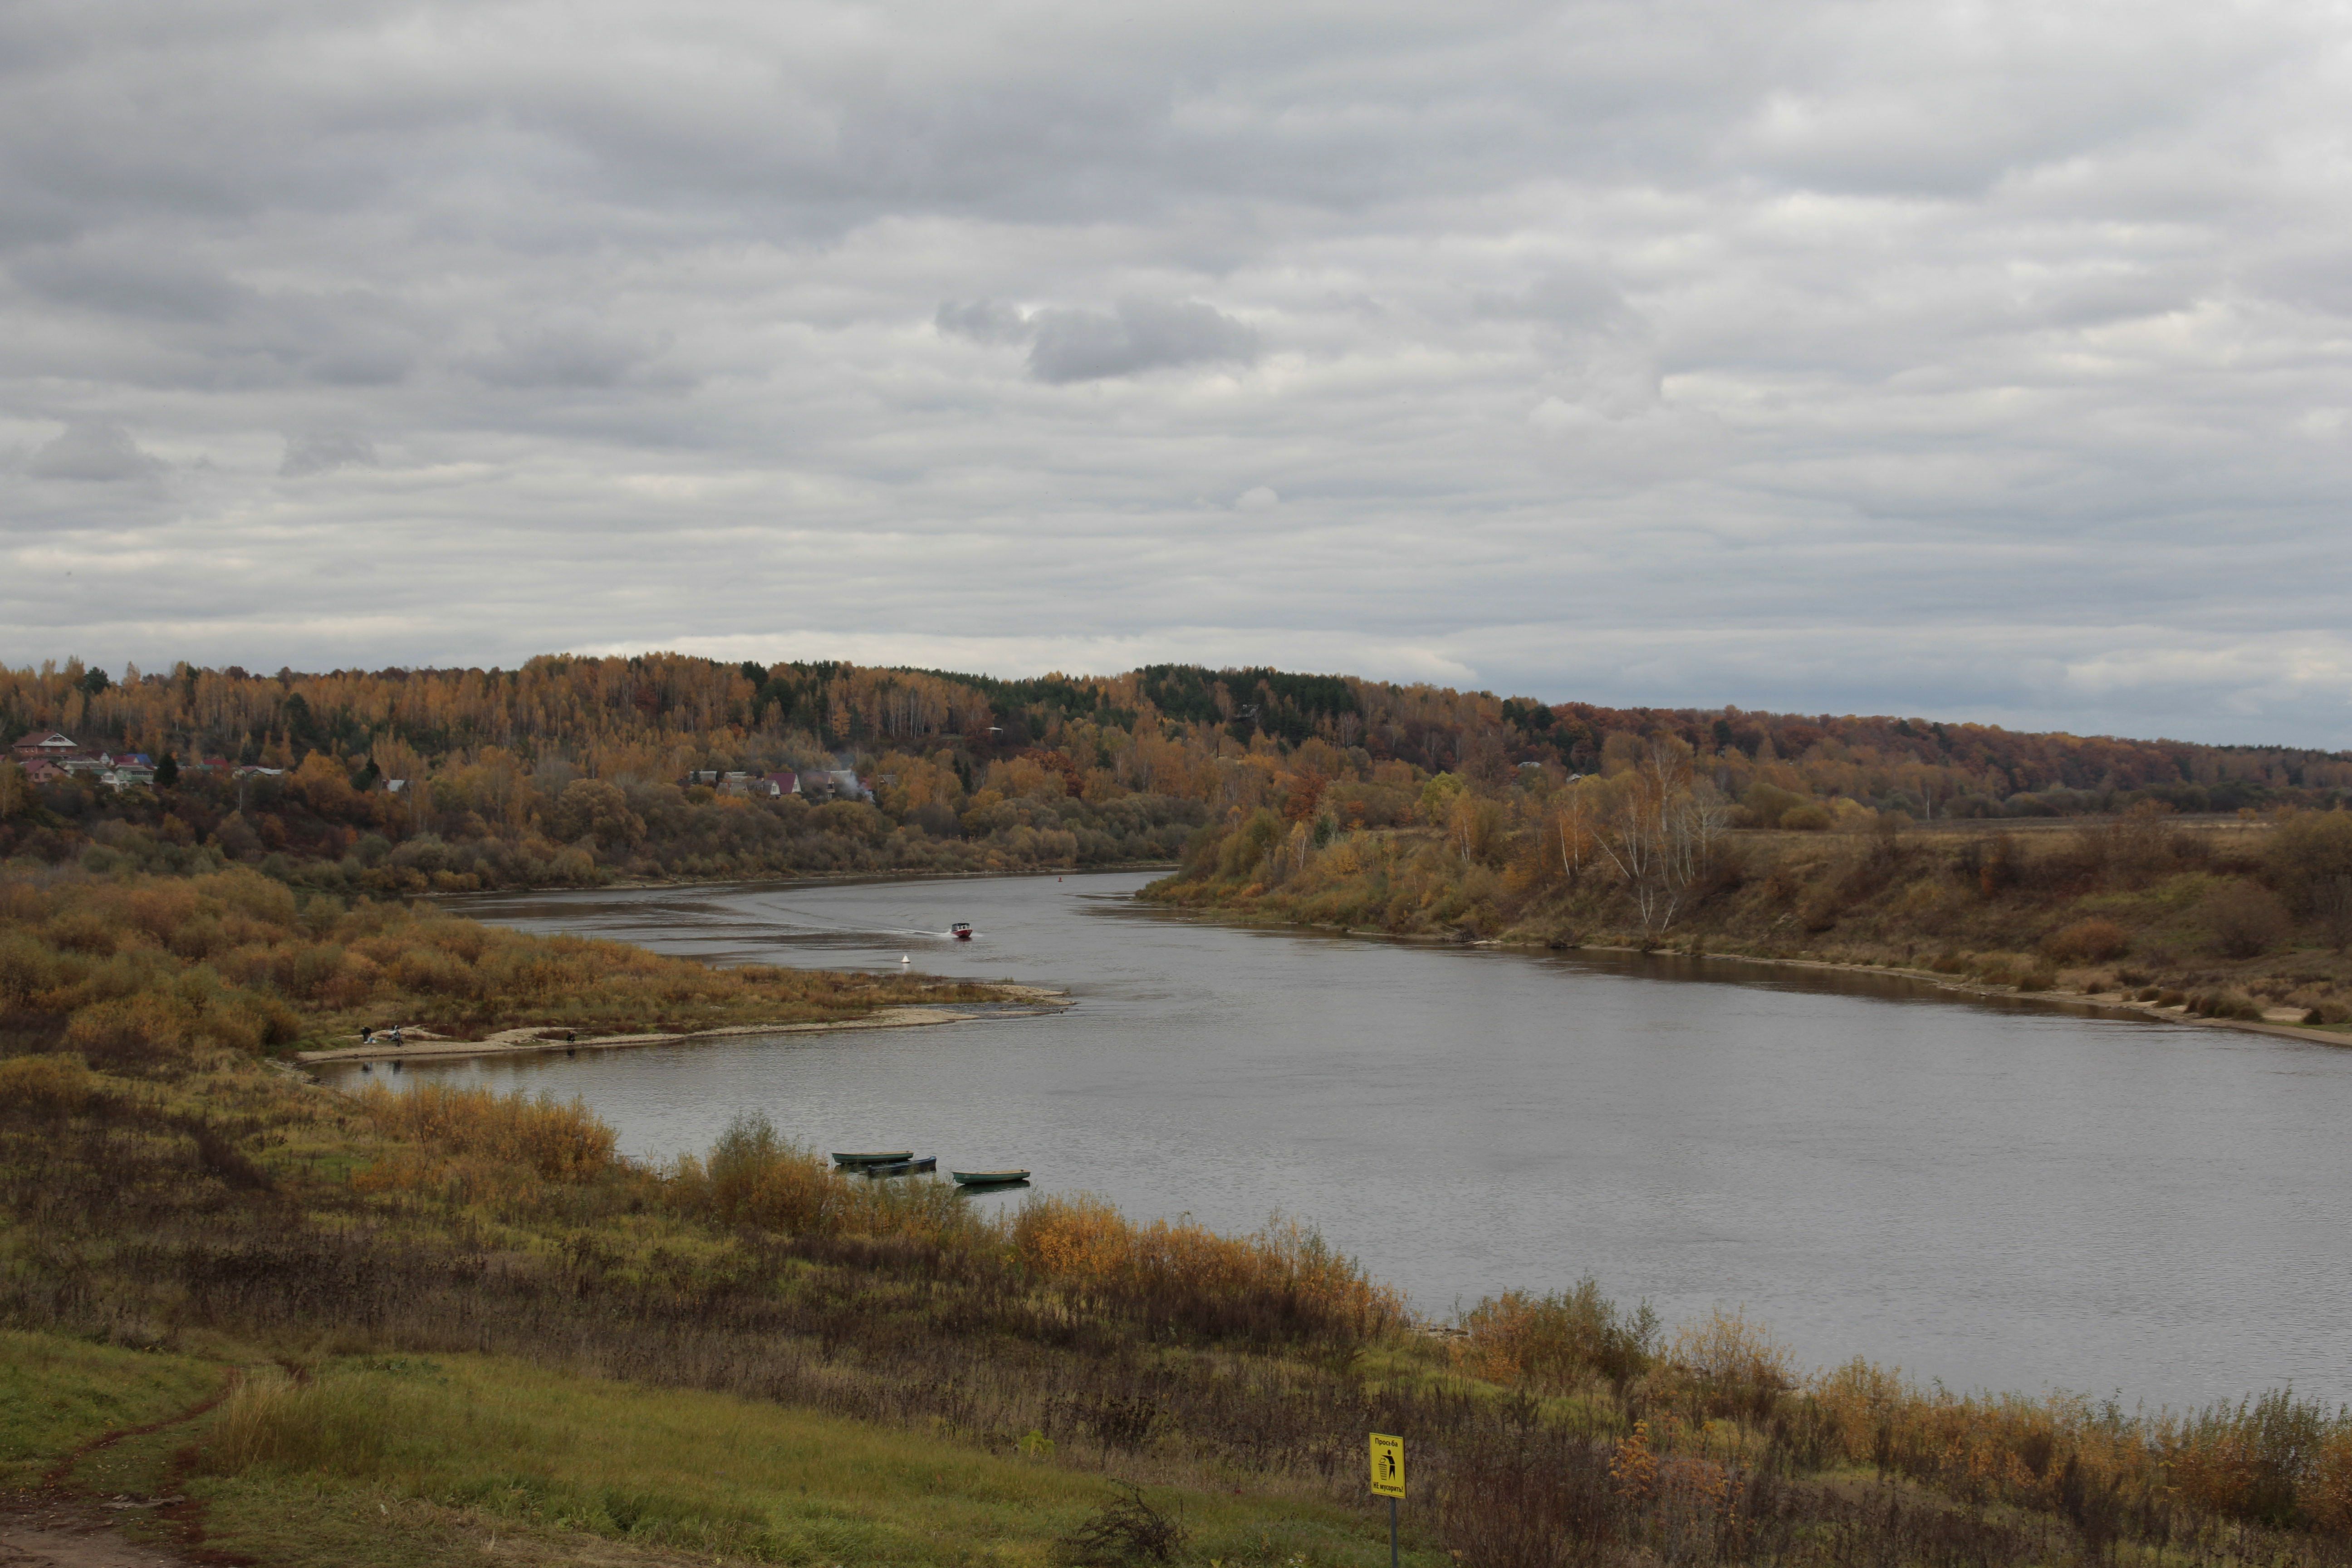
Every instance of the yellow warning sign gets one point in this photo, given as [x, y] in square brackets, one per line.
[1387, 1465]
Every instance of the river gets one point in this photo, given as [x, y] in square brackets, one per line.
[1994, 1195]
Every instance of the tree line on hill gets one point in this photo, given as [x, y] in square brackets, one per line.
[577, 770]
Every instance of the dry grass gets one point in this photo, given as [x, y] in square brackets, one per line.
[2248, 915]
[563, 1143]
[1722, 1390]
[142, 968]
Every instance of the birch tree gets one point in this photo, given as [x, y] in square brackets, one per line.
[1658, 829]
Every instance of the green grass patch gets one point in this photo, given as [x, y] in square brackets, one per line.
[295, 1469]
[57, 1394]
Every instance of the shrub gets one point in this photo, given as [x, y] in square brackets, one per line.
[1766, 805]
[2328, 1496]
[132, 1030]
[2246, 920]
[563, 1142]
[1806, 818]
[2225, 1005]
[56, 1084]
[1124, 1531]
[2305, 852]
[1727, 1366]
[1553, 1343]
[2094, 941]
[1284, 1283]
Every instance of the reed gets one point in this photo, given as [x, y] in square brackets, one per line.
[563, 1143]
[1281, 1283]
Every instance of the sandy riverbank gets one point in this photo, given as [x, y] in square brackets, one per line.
[2105, 1002]
[423, 1045]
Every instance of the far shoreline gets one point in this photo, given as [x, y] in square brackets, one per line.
[2078, 1002]
[843, 879]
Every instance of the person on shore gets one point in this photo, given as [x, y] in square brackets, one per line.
[367, 1036]
[392, 1033]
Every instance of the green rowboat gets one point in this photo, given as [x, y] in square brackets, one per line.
[880, 1157]
[988, 1178]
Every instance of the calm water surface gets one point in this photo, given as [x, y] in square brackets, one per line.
[1995, 1197]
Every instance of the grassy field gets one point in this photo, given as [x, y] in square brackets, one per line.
[57, 1394]
[397, 1461]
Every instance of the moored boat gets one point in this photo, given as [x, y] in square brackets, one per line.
[905, 1167]
[881, 1157]
[988, 1178]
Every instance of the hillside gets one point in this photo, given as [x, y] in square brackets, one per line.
[576, 771]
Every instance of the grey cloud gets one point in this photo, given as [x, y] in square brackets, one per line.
[1606, 349]
[128, 279]
[985, 321]
[92, 451]
[324, 451]
[561, 354]
[1140, 335]
[1578, 300]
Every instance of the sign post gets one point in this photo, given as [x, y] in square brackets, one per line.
[1388, 1481]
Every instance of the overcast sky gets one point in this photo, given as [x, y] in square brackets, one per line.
[1963, 359]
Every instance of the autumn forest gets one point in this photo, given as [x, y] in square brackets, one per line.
[576, 770]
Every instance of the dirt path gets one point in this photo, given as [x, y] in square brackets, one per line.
[70, 1538]
[63, 1527]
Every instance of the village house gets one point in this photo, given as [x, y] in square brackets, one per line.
[837, 783]
[757, 786]
[55, 756]
[52, 747]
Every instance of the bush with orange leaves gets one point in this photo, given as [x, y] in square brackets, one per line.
[1557, 1343]
[756, 1177]
[1724, 1366]
[2274, 1460]
[563, 1143]
[2328, 1496]
[1724, 1383]
[1283, 1283]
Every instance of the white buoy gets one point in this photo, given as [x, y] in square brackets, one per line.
[902, 958]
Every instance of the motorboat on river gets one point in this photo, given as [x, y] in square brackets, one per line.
[961, 931]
